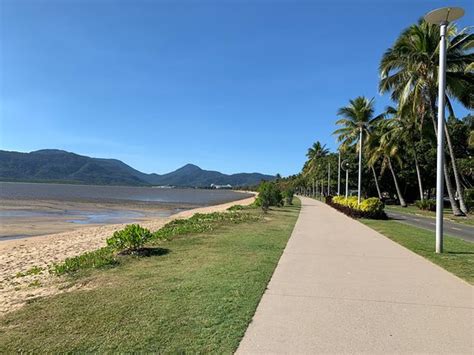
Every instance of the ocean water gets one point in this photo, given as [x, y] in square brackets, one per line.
[36, 209]
[93, 193]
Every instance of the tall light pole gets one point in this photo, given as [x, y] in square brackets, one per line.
[441, 17]
[345, 166]
[359, 184]
[329, 178]
[339, 173]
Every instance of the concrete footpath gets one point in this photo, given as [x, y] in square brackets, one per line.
[341, 287]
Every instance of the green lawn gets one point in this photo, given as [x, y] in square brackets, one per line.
[458, 256]
[196, 294]
[447, 213]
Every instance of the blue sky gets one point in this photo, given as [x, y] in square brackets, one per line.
[227, 85]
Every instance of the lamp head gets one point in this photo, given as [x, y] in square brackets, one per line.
[444, 15]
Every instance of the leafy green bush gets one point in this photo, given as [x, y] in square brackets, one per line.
[235, 208]
[426, 205]
[288, 196]
[268, 195]
[368, 208]
[132, 237]
[372, 205]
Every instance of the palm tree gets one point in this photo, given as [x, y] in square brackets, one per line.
[314, 154]
[388, 150]
[409, 70]
[405, 127]
[357, 120]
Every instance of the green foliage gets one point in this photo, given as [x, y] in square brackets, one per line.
[35, 270]
[368, 208]
[132, 237]
[269, 195]
[350, 202]
[95, 259]
[372, 205]
[426, 205]
[469, 198]
[235, 208]
[288, 195]
[201, 222]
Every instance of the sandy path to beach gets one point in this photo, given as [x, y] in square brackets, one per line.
[21, 255]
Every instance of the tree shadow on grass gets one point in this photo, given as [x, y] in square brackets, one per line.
[146, 252]
[460, 252]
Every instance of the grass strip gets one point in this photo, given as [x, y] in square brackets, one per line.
[198, 223]
[194, 294]
[458, 256]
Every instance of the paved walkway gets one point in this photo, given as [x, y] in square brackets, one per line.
[341, 287]
[453, 229]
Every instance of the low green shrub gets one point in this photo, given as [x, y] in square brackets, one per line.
[35, 270]
[235, 208]
[94, 259]
[372, 205]
[368, 208]
[426, 205]
[131, 238]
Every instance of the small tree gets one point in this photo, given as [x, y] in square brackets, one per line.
[288, 195]
[269, 195]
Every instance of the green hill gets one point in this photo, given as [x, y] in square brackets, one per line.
[51, 165]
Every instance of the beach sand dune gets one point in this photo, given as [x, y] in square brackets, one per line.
[17, 257]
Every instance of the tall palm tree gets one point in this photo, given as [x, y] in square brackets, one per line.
[409, 70]
[404, 127]
[357, 120]
[314, 155]
[388, 150]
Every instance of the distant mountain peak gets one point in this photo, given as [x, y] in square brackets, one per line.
[60, 166]
[50, 151]
[189, 167]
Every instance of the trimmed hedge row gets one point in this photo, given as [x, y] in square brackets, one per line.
[369, 208]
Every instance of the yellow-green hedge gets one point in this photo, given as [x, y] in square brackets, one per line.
[371, 207]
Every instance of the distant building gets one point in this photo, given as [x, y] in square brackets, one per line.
[214, 186]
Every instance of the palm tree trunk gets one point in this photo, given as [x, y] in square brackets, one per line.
[449, 187]
[418, 174]
[459, 188]
[376, 182]
[399, 193]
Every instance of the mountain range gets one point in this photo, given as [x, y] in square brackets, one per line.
[52, 165]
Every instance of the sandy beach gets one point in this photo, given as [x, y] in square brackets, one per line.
[21, 255]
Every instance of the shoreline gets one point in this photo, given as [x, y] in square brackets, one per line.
[21, 255]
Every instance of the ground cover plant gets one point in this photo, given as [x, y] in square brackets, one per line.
[458, 256]
[133, 237]
[195, 294]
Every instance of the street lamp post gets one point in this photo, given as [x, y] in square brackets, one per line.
[345, 166]
[347, 183]
[329, 178]
[360, 167]
[339, 173]
[441, 17]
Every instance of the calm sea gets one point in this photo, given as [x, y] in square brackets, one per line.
[65, 192]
